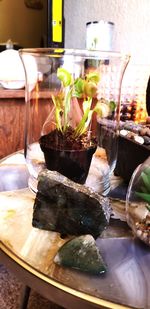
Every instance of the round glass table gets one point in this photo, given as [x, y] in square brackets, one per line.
[29, 252]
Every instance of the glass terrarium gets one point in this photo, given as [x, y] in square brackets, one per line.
[64, 93]
[138, 202]
[134, 138]
[133, 98]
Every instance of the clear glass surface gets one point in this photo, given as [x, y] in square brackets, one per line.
[125, 284]
[92, 77]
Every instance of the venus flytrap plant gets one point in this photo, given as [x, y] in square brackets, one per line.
[67, 142]
[84, 88]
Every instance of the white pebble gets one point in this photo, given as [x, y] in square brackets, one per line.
[139, 139]
[139, 233]
[124, 132]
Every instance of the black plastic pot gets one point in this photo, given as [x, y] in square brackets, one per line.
[73, 164]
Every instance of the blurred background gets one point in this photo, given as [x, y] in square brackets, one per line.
[30, 26]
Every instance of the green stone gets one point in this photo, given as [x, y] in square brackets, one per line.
[81, 253]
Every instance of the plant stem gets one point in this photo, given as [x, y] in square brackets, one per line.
[67, 102]
[83, 124]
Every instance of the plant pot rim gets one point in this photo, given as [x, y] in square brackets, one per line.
[68, 150]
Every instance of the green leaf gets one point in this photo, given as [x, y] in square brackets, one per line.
[90, 88]
[87, 122]
[79, 87]
[58, 110]
[58, 119]
[102, 109]
[144, 196]
[147, 170]
[145, 181]
[93, 77]
[64, 76]
[83, 124]
[67, 102]
[87, 105]
[112, 105]
[143, 189]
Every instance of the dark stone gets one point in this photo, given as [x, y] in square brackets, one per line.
[146, 140]
[67, 207]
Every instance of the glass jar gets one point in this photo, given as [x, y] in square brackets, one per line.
[133, 98]
[63, 95]
[138, 202]
[134, 126]
[99, 35]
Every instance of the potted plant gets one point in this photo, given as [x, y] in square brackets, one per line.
[69, 146]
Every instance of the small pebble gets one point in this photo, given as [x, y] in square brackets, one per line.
[139, 139]
[148, 132]
[124, 132]
[136, 129]
[143, 131]
[148, 120]
[139, 233]
[145, 235]
[131, 135]
[129, 125]
[146, 140]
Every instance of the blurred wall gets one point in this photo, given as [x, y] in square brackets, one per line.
[131, 18]
[21, 24]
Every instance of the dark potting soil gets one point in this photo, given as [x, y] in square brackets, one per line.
[66, 141]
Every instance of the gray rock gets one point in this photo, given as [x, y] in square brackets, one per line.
[69, 208]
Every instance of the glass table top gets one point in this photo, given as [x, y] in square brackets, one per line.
[124, 285]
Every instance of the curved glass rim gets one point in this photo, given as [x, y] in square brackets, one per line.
[83, 53]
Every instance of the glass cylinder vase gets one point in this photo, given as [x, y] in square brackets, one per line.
[62, 100]
[109, 96]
